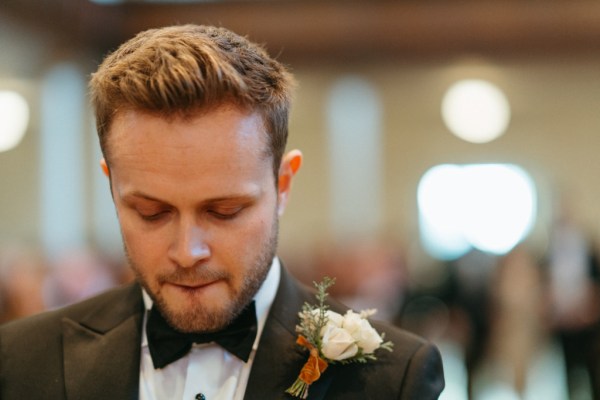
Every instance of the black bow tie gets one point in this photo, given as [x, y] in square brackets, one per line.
[167, 345]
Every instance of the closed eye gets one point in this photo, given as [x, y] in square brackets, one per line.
[226, 214]
[153, 217]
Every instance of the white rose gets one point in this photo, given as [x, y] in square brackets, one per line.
[352, 322]
[338, 344]
[363, 333]
[369, 340]
[334, 319]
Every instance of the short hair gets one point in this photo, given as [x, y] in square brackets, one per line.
[179, 70]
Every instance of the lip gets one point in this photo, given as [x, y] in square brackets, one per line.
[191, 286]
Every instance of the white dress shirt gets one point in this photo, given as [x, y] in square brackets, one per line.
[207, 369]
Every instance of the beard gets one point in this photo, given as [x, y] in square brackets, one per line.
[204, 319]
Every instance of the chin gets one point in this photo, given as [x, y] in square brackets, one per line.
[197, 319]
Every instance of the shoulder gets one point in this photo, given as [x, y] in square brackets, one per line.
[413, 369]
[406, 344]
[36, 346]
[419, 357]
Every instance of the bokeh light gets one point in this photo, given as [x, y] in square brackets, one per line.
[439, 198]
[475, 110]
[490, 207]
[14, 118]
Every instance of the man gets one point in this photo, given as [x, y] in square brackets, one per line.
[192, 122]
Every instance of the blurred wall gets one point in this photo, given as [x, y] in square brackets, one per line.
[552, 134]
[20, 66]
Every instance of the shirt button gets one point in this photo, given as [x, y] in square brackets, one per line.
[200, 396]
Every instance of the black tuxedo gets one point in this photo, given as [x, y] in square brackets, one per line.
[91, 350]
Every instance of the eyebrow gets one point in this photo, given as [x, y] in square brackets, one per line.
[141, 195]
[234, 196]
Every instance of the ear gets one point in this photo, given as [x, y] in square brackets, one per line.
[290, 164]
[104, 167]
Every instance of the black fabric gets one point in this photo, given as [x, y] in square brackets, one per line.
[167, 345]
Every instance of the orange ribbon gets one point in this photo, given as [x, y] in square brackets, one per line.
[315, 365]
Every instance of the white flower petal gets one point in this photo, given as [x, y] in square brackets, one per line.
[338, 344]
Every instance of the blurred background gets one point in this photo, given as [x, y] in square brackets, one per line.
[451, 150]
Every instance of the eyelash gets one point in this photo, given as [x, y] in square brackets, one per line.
[224, 217]
[218, 215]
[153, 217]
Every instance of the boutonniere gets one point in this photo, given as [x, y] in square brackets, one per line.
[333, 338]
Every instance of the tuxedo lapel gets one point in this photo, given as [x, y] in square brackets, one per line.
[102, 350]
[278, 359]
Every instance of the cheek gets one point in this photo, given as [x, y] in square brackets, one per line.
[142, 246]
[251, 239]
[261, 228]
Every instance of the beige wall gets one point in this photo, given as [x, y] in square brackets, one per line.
[19, 180]
[553, 134]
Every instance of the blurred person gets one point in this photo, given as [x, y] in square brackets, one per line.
[22, 278]
[371, 274]
[448, 303]
[192, 123]
[518, 330]
[77, 274]
[572, 272]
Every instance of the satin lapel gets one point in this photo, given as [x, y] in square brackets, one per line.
[278, 359]
[102, 350]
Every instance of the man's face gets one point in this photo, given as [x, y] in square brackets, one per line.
[198, 209]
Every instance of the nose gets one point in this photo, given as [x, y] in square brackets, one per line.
[189, 246]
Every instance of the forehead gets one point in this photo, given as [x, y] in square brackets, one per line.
[215, 149]
[228, 127]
